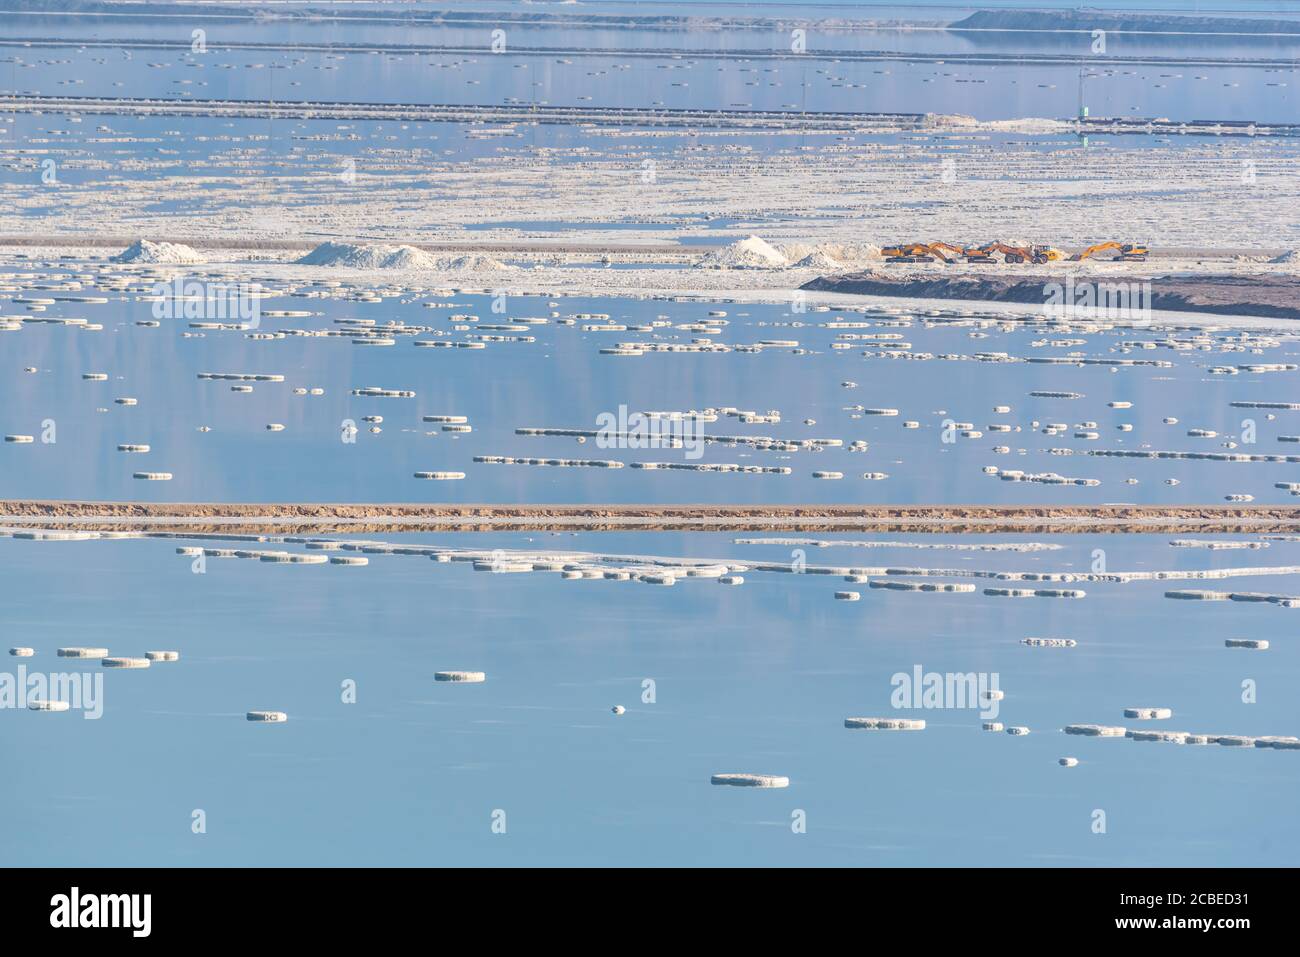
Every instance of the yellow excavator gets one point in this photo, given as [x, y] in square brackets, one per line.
[948, 253]
[907, 253]
[1015, 254]
[1128, 252]
[922, 253]
[941, 249]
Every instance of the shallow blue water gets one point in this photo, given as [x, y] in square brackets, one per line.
[561, 381]
[756, 678]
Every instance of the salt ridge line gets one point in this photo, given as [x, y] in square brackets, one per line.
[849, 543]
[521, 556]
[834, 55]
[467, 113]
[568, 115]
[764, 442]
[474, 521]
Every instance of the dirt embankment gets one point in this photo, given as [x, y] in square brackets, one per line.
[1270, 297]
[288, 518]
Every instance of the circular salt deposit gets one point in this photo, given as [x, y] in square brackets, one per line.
[460, 676]
[1068, 762]
[1149, 714]
[267, 717]
[125, 662]
[742, 780]
[618, 709]
[163, 655]
[22, 652]
[885, 724]
[41, 705]
[78, 652]
[1260, 644]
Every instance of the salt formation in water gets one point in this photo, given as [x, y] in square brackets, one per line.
[1049, 642]
[78, 652]
[125, 662]
[885, 724]
[743, 780]
[1148, 714]
[1095, 730]
[145, 251]
[473, 677]
[268, 717]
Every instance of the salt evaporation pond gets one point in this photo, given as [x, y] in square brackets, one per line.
[951, 378]
[575, 64]
[758, 678]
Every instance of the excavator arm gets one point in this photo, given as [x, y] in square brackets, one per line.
[1099, 247]
[1012, 254]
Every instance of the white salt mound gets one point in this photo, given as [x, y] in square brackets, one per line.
[749, 253]
[476, 263]
[144, 251]
[1288, 257]
[354, 256]
[818, 260]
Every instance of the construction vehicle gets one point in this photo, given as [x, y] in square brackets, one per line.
[938, 249]
[922, 253]
[948, 253]
[1014, 254]
[1128, 252]
[1010, 254]
[907, 253]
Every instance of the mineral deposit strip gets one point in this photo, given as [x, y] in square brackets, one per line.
[938, 519]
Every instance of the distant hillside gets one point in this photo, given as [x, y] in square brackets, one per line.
[1120, 22]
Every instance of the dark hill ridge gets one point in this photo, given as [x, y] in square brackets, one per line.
[1273, 297]
[1122, 22]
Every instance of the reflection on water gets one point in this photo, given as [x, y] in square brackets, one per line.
[756, 678]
